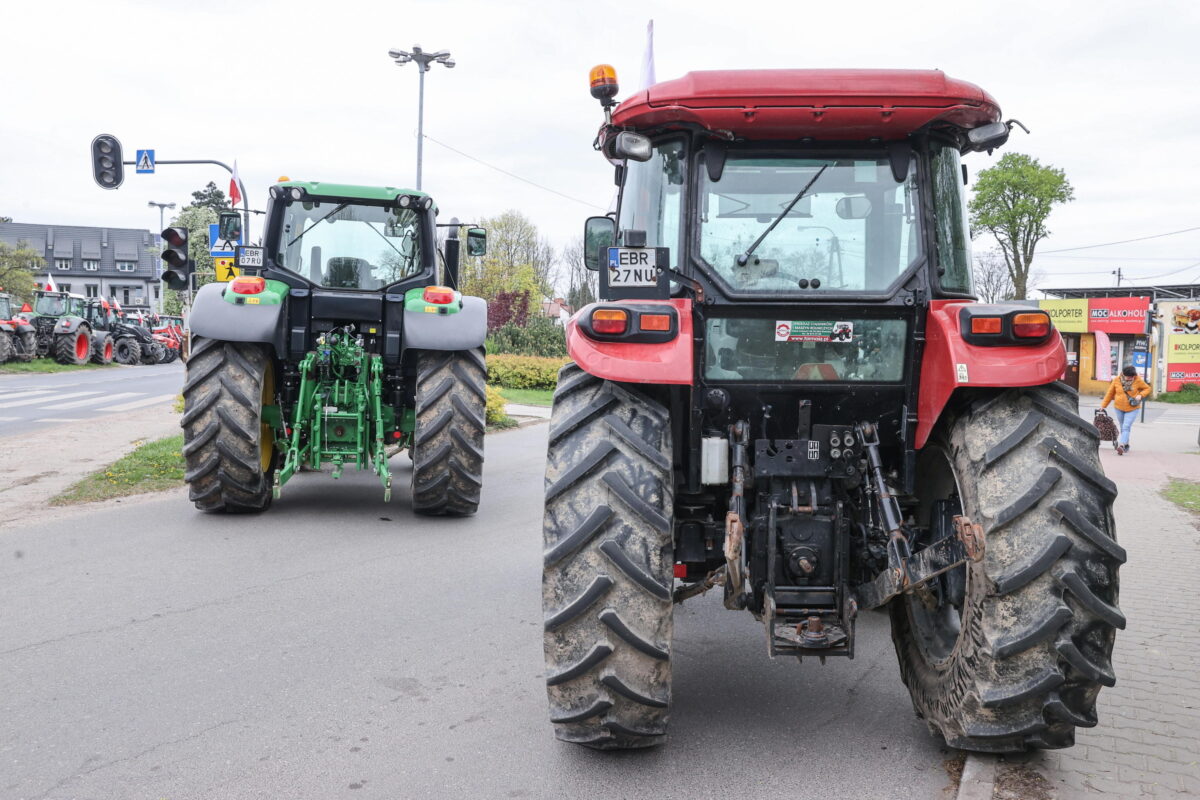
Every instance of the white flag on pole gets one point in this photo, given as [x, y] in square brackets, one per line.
[648, 78]
[50, 287]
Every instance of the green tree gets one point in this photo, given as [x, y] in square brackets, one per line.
[518, 259]
[18, 268]
[5, 219]
[210, 197]
[1012, 202]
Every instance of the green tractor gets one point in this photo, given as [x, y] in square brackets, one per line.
[332, 346]
[63, 331]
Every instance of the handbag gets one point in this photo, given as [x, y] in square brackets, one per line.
[1104, 423]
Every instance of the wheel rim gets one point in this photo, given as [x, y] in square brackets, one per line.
[108, 351]
[81, 347]
[266, 437]
[938, 631]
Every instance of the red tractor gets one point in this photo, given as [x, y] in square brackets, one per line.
[18, 339]
[789, 394]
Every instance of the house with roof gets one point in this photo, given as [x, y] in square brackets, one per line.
[94, 262]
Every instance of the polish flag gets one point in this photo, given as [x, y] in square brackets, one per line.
[235, 192]
[50, 287]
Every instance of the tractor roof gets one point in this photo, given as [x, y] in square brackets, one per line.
[825, 104]
[351, 191]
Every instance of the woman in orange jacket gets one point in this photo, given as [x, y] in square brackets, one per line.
[1127, 391]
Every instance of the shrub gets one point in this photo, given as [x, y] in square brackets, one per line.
[539, 337]
[524, 372]
[496, 413]
[1188, 393]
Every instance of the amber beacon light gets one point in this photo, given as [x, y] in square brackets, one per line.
[603, 80]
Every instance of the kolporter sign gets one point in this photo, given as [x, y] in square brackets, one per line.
[1183, 360]
[1112, 315]
[1069, 316]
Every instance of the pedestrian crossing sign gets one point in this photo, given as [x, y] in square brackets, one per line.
[225, 269]
[145, 162]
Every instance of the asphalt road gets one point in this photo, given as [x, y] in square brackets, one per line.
[31, 402]
[340, 647]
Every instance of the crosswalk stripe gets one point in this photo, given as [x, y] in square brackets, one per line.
[9, 419]
[60, 419]
[23, 393]
[162, 398]
[104, 399]
[30, 401]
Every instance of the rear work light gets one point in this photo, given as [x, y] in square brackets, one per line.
[439, 295]
[612, 321]
[987, 325]
[1031, 326]
[248, 284]
[654, 322]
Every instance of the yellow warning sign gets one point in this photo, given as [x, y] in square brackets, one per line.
[225, 269]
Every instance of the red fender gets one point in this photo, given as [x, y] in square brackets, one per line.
[949, 363]
[663, 362]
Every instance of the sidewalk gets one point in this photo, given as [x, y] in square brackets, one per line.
[1172, 413]
[1147, 742]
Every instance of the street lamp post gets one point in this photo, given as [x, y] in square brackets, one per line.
[161, 226]
[423, 61]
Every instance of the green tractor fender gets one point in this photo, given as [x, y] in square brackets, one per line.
[219, 313]
[460, 324]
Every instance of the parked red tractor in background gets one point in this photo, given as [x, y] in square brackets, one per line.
[18, 339]
[789, 391]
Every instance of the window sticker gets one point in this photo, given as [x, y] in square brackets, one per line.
[810, 330]
[962, 373]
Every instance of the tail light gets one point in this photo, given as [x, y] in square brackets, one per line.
[248, 284]
[1031, 326]
[439, 295]
[987, 325]
[610, 321]
[654, 322]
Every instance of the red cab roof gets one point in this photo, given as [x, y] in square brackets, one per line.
[827, 104]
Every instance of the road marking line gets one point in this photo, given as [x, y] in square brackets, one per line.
[31, 401]
[104, 398]
[22, 394]
[60, 419]
[9, 419]
[149, 401]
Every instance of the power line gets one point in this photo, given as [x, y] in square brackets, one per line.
[513, 175]
[1124, 241]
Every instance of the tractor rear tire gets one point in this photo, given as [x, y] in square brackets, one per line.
[608, 564]
[229, 453]
[102, 351]
[7, 346]
[127, 351]
[1024, 656]
[27, 344]
[447, 449]
[152, 353]
[73, 348]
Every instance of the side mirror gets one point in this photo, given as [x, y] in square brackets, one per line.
[229, 226]
[853, 207]
[476, 242]
[598, 233]
[633, 146]
[987, 137]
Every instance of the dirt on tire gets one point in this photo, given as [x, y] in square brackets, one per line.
[1040, 612]
[222, 425]
[607, 573]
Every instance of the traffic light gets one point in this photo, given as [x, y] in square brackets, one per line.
[106, 161]
[179, 266]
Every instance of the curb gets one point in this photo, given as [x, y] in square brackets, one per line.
[978, 778]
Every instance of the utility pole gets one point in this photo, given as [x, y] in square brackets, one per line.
[1117, 272]
[423, 61]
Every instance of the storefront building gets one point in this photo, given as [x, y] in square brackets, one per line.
[1154, 328]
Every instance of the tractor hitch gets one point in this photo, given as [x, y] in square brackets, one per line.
[914, 572]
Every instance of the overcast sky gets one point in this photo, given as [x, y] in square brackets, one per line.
[1108, 89]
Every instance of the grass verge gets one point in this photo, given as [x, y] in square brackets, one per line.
[504, 424]
[1190, 393]
[1184, 493]
[529, 397]
[44, 366]
[151, 467]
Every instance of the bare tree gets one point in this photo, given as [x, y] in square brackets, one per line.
[993, 283]
[581, 282]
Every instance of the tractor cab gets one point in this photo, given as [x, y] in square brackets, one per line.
[6, 309]
[58, 304]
